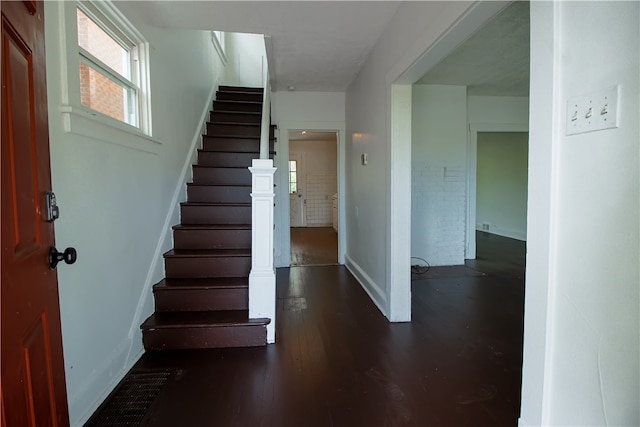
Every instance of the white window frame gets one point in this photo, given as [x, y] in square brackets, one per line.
[114, 23]
[82, 120]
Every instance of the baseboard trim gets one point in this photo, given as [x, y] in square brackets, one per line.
[377, 295]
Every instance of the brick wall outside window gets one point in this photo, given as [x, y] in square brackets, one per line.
[97, 91]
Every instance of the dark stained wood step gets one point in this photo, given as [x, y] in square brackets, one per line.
[215, 213]
[235, 117]
[224, 88]
[212, 236]
[227, 193]
[221, 175]
[200, 263]
[201, 294]
[231, 144]
[239, 96]
[226, 158]
[229, 105]
[211, 329]
[233, 129]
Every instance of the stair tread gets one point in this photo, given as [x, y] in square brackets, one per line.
[220, 167]
[201, 319]
[234, 123]
[221, 204]
[253, 113]
[257, 138]
[230, 88]
[206, 253]
[239, 90]
[203, 283]
[233, 152]
[195, 184]
[212, 227]
[236, 101]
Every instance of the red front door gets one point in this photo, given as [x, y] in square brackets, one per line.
[32, 383]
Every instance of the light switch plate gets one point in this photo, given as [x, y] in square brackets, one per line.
[592, 112]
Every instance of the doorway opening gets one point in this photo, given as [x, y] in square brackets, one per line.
[313, 197]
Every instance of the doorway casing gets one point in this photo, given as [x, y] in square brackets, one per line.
[283, 223]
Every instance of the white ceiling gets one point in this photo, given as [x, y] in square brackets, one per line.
[321, 45]
[494, 61]
[317, 45]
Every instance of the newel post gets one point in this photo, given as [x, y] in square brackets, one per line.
[262, 279]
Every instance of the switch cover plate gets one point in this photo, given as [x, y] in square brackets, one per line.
[592, 112]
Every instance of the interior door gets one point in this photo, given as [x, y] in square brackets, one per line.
[32, 383]
[296, 192]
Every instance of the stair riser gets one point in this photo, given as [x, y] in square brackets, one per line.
[215, 337]
[239, 96]
[201, 299]
[194, 267]
[212, 239]
[204, 175]
[241, 89]
[237, 117]
[233, 130]
[236, 145]
[208, 193]
[214, 158]
[215, 214]
[220, 105]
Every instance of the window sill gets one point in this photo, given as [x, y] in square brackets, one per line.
[88, 123]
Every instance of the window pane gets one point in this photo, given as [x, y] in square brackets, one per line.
[102, 94]
[96, 41]
[293, 177]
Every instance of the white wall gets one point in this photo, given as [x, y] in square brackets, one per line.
[501, 184]
[245, 53]
[118, 195]
[438, 165]
[320, 111]
[581, 349]
[377, 250]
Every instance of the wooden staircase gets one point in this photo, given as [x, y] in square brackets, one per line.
[203, 301]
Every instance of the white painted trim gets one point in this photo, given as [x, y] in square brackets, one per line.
[424, 54]
[399, 225]
[377, 295]
[283, 232]
[262, 278]
[472, 172]
[545, 131]
[95, 125]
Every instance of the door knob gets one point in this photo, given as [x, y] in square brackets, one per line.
[69, 256]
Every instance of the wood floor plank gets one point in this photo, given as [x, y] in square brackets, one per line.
[339, 362]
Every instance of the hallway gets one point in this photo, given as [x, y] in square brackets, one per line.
[313, 246]
[339, 362]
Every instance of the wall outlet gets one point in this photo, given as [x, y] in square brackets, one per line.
[485, 227]
[592, 112]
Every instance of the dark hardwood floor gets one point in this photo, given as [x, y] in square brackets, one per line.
[339, 362]
[313, 246]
